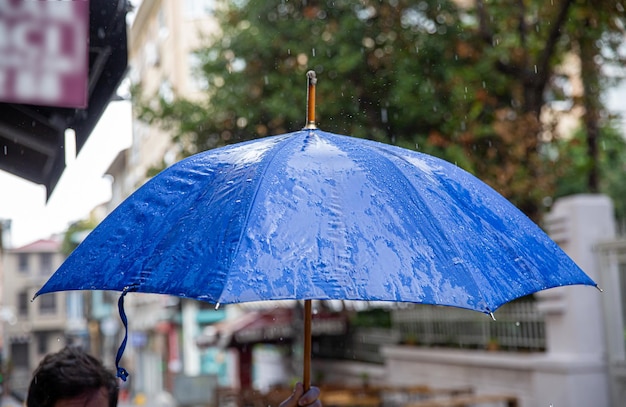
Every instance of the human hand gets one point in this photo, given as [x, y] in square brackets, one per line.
[300, 398]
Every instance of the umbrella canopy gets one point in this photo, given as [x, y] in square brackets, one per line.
[315, 215]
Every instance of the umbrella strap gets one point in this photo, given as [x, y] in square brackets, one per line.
[121, 372]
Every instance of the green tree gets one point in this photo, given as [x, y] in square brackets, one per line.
[573, 162]
[75, 234]
[467, 84]
[597, 30]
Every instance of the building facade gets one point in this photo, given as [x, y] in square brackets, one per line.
[43, 325]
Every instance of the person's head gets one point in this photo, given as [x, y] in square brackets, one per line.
[72, 378]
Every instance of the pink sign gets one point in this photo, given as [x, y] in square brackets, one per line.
[44, 52]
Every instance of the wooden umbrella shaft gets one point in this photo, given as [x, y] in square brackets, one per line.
[310, 124]
[310, 116]
[306, 374]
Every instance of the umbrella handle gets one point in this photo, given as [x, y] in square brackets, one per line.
[306, 374]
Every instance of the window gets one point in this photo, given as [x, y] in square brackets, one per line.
[42, 343]
[197, 80]
[45, 260]
[166, 91]
[23, 262]
[163, 30]
[22, 304]
[19, 354]
[47, 304]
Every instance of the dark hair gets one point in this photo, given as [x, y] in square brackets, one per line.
[69, 373]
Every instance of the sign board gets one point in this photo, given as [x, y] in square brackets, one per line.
[44, 56]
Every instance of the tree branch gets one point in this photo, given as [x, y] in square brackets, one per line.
[483, 23]
[523, 29]
[543, 62]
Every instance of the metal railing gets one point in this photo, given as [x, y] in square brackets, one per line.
[518, 327]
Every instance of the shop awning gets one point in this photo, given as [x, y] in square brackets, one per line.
[32, 136]
[266, 326]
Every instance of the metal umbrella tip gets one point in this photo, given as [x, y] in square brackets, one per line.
[312, 76]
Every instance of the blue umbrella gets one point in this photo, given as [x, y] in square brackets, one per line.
[315, 215]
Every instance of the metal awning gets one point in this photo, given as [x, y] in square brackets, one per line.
[32, 138]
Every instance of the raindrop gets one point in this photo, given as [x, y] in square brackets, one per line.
[5, 150]
[484, 85]
[383, 115]
[267, 80]
[517, 323]
[313, 51]
[217, 306]
[535, 68]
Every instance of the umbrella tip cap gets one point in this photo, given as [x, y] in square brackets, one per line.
[312, 76]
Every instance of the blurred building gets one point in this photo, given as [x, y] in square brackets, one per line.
[162, 40]
[163, 35]
[41, 326]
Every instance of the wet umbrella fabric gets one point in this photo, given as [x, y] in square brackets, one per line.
[315, 215]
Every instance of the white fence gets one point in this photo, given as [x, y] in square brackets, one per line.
[518, 327]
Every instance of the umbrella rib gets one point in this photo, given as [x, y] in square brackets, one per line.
[266, 164]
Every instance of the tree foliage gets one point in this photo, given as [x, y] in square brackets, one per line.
[574, 164]
[75, 234]
[465, 83]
